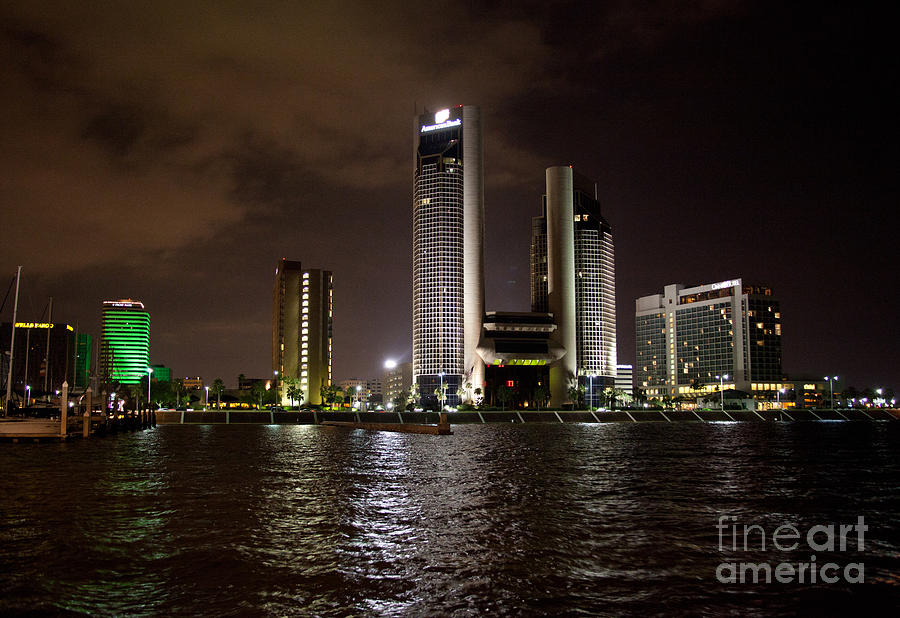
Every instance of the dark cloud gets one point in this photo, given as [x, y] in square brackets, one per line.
[174, 151]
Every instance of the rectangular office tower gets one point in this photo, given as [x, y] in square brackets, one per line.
[124, 342]
[573, 276]
[700, 338]
[448, 255]
[302, 313]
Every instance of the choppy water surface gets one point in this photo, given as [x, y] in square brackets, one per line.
[521, 520]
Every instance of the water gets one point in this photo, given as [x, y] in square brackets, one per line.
[502, 520]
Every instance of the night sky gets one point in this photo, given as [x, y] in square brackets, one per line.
[173, 152]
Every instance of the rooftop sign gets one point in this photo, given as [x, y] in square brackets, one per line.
[726, 284]
[443, 125]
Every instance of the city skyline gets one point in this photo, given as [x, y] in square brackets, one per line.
[727, 140]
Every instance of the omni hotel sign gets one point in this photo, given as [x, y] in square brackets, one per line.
[725, 284]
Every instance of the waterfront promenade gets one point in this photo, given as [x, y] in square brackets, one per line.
[315, 417]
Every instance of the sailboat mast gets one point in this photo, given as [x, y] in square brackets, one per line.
[47, 349]
[12, 343]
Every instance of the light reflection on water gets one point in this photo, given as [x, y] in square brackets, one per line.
[536, 519]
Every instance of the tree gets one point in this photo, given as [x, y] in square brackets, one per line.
[400, 400]
[258, 390]
[540, 396]
[576, 394]
[479, 396]
[293, 390]
[178, 387]
[414, 393]
[505, 394]
[612, 395]
[218, 387]
[331, 394]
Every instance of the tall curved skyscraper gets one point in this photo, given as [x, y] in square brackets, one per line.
[448, 252]
[125, 345]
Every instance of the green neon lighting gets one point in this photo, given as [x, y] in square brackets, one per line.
[126, 334]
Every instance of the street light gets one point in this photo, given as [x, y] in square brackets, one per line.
[722, 379]
[149, 373]
[441, 396]
[27, 395]
[206, 403]
[831, 381]
[277, 394]
[358, 388]
[778, 396]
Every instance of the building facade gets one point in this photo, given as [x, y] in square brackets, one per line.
[125, 342]
[573, 277]
[689, 339]
[448, 256]
[83, 355]
[397, 379]
[625, 379]
[302, 329]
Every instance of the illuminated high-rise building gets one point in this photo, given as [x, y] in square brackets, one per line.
[706, 337]
[302, 319]
[573, 276]
[125, 341]
[448, 254]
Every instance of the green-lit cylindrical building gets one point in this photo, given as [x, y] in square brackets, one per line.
[125, 347]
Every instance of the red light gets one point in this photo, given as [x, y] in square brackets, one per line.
[510, 383]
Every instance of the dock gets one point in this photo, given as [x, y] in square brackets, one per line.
[441, 429]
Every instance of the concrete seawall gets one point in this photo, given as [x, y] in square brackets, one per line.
[266, 417]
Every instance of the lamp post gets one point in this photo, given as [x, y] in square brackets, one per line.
[441, 396]
[830, 381]
[149, 374]
[27, 395]
[278, 396]
[778, 394]
[206, 403]
[722, 379]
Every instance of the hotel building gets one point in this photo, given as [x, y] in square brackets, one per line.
[573, 277]
[125, 342]
[687, 337]
[302, 313]
[448, 256]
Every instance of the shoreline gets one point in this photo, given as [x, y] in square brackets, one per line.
[318, 417]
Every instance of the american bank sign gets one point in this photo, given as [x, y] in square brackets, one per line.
[441, 121]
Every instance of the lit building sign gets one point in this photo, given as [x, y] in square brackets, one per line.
[40, 325]
[443, 125]
[726, 284]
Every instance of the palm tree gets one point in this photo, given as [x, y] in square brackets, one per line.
[218, 386]
[258, 390]
[294, 391]
[576, 394]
